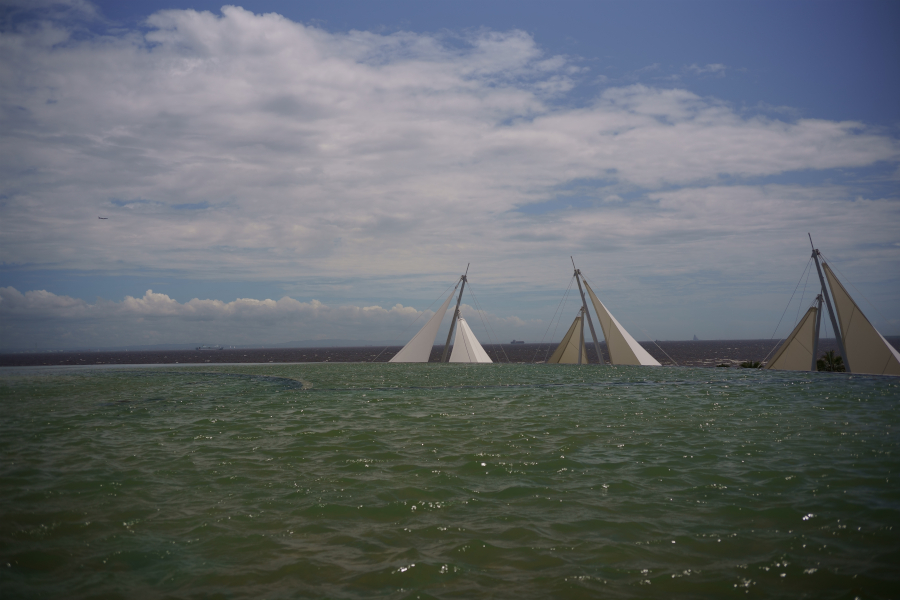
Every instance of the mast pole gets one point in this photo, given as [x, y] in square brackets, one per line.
[581, 338]
[837, 332]
[588, 314]
[445, 358]
[815, 348]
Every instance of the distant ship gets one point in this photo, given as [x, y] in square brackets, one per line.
[517, 342]
[210, 347]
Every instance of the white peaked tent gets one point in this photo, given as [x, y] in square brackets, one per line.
[419, 348]
[798, 352]
[466, 348]
[567, 351]
[623, 349]
[866, 350]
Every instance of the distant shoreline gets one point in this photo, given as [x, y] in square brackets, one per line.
[686, 353]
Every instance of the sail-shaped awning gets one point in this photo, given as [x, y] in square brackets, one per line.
[867, 350]
[796, 353]
[622, 348]
[466, 348]
[419, 348]
[567, 351]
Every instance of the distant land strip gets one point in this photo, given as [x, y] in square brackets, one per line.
[705, 353]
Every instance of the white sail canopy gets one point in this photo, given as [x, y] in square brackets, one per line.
[567, 351]
[867, 350]
[796, 353]
[466, 348]
[419, 348]
[623, 349]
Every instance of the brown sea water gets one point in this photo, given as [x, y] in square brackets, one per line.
[360, 480]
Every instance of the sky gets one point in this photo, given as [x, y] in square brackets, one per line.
[291, 171]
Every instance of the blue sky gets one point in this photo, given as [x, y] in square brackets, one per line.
[327, 170]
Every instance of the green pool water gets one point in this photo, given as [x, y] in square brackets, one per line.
[355, 480]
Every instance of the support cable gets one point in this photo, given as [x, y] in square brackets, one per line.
[550, 324]
[808, 263]
[487, 329]
[660, 347]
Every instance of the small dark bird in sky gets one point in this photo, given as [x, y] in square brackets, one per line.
[104, 218]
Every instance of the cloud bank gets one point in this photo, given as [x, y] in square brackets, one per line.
[257, 148]
[41, 319]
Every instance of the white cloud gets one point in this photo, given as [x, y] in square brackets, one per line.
[46, 320]
[53, 9]
[256, 148]
[712, 69]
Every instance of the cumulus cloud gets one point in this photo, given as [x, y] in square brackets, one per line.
[45, 320]
[257, 148]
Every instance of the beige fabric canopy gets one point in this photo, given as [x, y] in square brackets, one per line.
[796, 353]
[567, 351]
[622, 348]
[867, 350]
[419, 348]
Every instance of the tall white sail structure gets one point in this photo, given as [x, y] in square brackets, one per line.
[798, 352]
[623, 349]
[466, 348]
[862, 347]
[866, 350]
[419, 348]
[567, 351]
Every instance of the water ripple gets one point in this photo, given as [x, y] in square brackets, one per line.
[447, 481]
